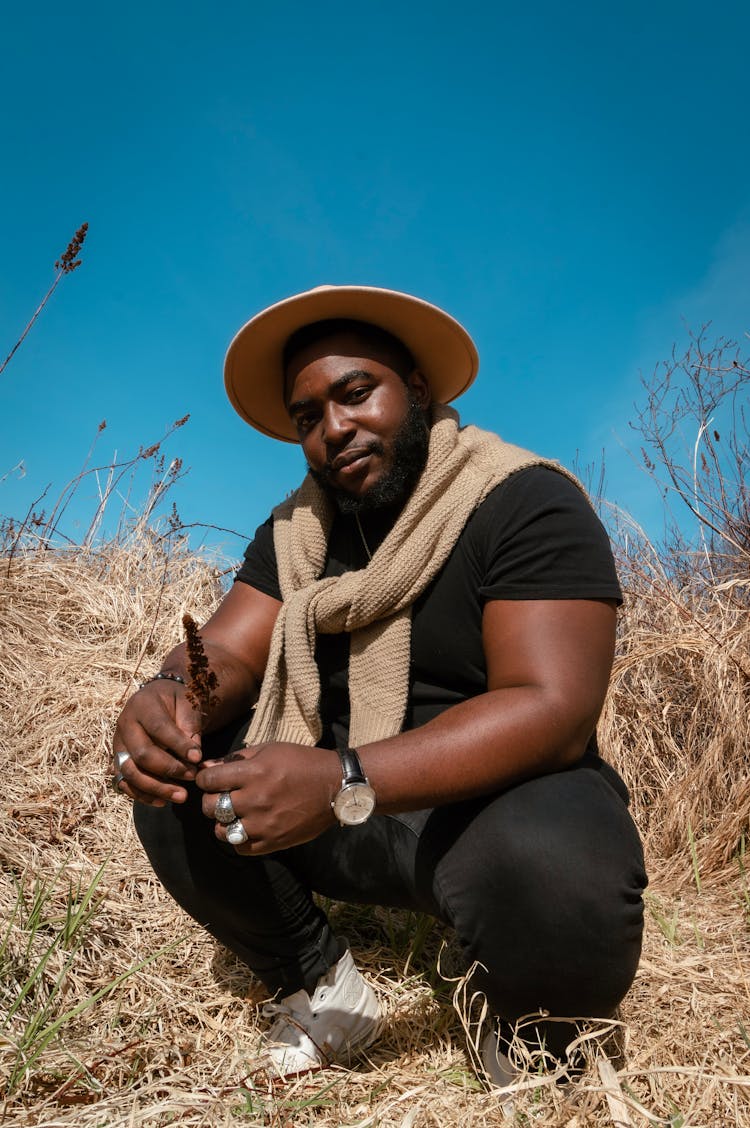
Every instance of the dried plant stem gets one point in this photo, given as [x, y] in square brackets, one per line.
[65, 265]
[28, 328]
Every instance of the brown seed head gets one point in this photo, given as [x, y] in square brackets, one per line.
[69, 260]
[202, 681]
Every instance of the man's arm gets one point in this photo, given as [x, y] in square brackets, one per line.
[159, 727]
[548, 665]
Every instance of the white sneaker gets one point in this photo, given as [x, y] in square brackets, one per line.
[311, 1031]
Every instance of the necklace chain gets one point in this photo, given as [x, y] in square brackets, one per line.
[362, 535]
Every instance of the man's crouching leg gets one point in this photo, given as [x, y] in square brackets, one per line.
[263, 911]
[256, 907]
[543, 885]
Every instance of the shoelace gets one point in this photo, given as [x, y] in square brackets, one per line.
[281, 1014]
[279, 1009]
[285, 1016]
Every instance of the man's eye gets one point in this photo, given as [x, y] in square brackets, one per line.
[356, 394]
[306, 421]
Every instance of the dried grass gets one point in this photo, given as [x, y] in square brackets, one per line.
[175, 1041]
[677, 719]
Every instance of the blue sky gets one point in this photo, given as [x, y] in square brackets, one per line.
[570, 181]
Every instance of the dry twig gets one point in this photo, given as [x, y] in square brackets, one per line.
[66, 264]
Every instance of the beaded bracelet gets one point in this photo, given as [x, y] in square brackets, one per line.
[162, 677]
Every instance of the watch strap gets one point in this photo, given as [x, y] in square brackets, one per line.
[351, 767]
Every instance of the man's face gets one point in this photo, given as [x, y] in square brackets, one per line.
[362, 426]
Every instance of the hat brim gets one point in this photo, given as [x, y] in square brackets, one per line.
[253, 370]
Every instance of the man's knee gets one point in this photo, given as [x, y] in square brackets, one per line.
[180, 844]
[543, 885]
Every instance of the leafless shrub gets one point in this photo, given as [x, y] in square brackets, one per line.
[695, 428]
[677, 721]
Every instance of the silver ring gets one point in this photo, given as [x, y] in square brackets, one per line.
[224, 812]
[117, 779]
[236, 833]
[120, 758]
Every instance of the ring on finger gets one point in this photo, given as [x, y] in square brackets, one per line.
[236, 833]
[224, 812]
[120, 758]
[117, 779]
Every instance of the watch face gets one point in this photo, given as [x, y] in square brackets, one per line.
[354, 804]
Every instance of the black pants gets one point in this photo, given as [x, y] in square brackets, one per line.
[542, 884]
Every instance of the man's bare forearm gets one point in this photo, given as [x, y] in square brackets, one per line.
[478, 747]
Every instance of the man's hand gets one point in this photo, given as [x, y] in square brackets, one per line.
[160, 731]
[281, 793]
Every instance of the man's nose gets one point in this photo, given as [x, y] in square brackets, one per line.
[338, 424]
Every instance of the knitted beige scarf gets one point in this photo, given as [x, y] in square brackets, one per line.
[374, 603]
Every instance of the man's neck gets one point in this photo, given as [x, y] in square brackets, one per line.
[373, 524]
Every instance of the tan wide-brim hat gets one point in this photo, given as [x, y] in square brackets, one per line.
[253, 370]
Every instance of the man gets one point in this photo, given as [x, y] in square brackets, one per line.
[427, 628]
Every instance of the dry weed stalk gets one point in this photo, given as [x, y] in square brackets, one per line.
[66, 264]
[40, 531]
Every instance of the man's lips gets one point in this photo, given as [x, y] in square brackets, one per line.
[348, 458]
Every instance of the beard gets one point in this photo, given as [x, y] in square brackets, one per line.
[410, 446]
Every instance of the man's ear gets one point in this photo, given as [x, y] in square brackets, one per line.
[419, 388]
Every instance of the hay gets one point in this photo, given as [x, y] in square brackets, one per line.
[677, 719]
[174, 1039]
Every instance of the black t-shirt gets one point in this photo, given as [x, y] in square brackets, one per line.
[535, 536]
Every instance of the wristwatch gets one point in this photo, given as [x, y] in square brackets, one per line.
[355, 802]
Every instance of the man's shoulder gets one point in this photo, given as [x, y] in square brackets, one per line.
[258, 568]
[537, 536]
[530, 491]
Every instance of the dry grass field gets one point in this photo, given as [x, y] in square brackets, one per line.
[116, 1011]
